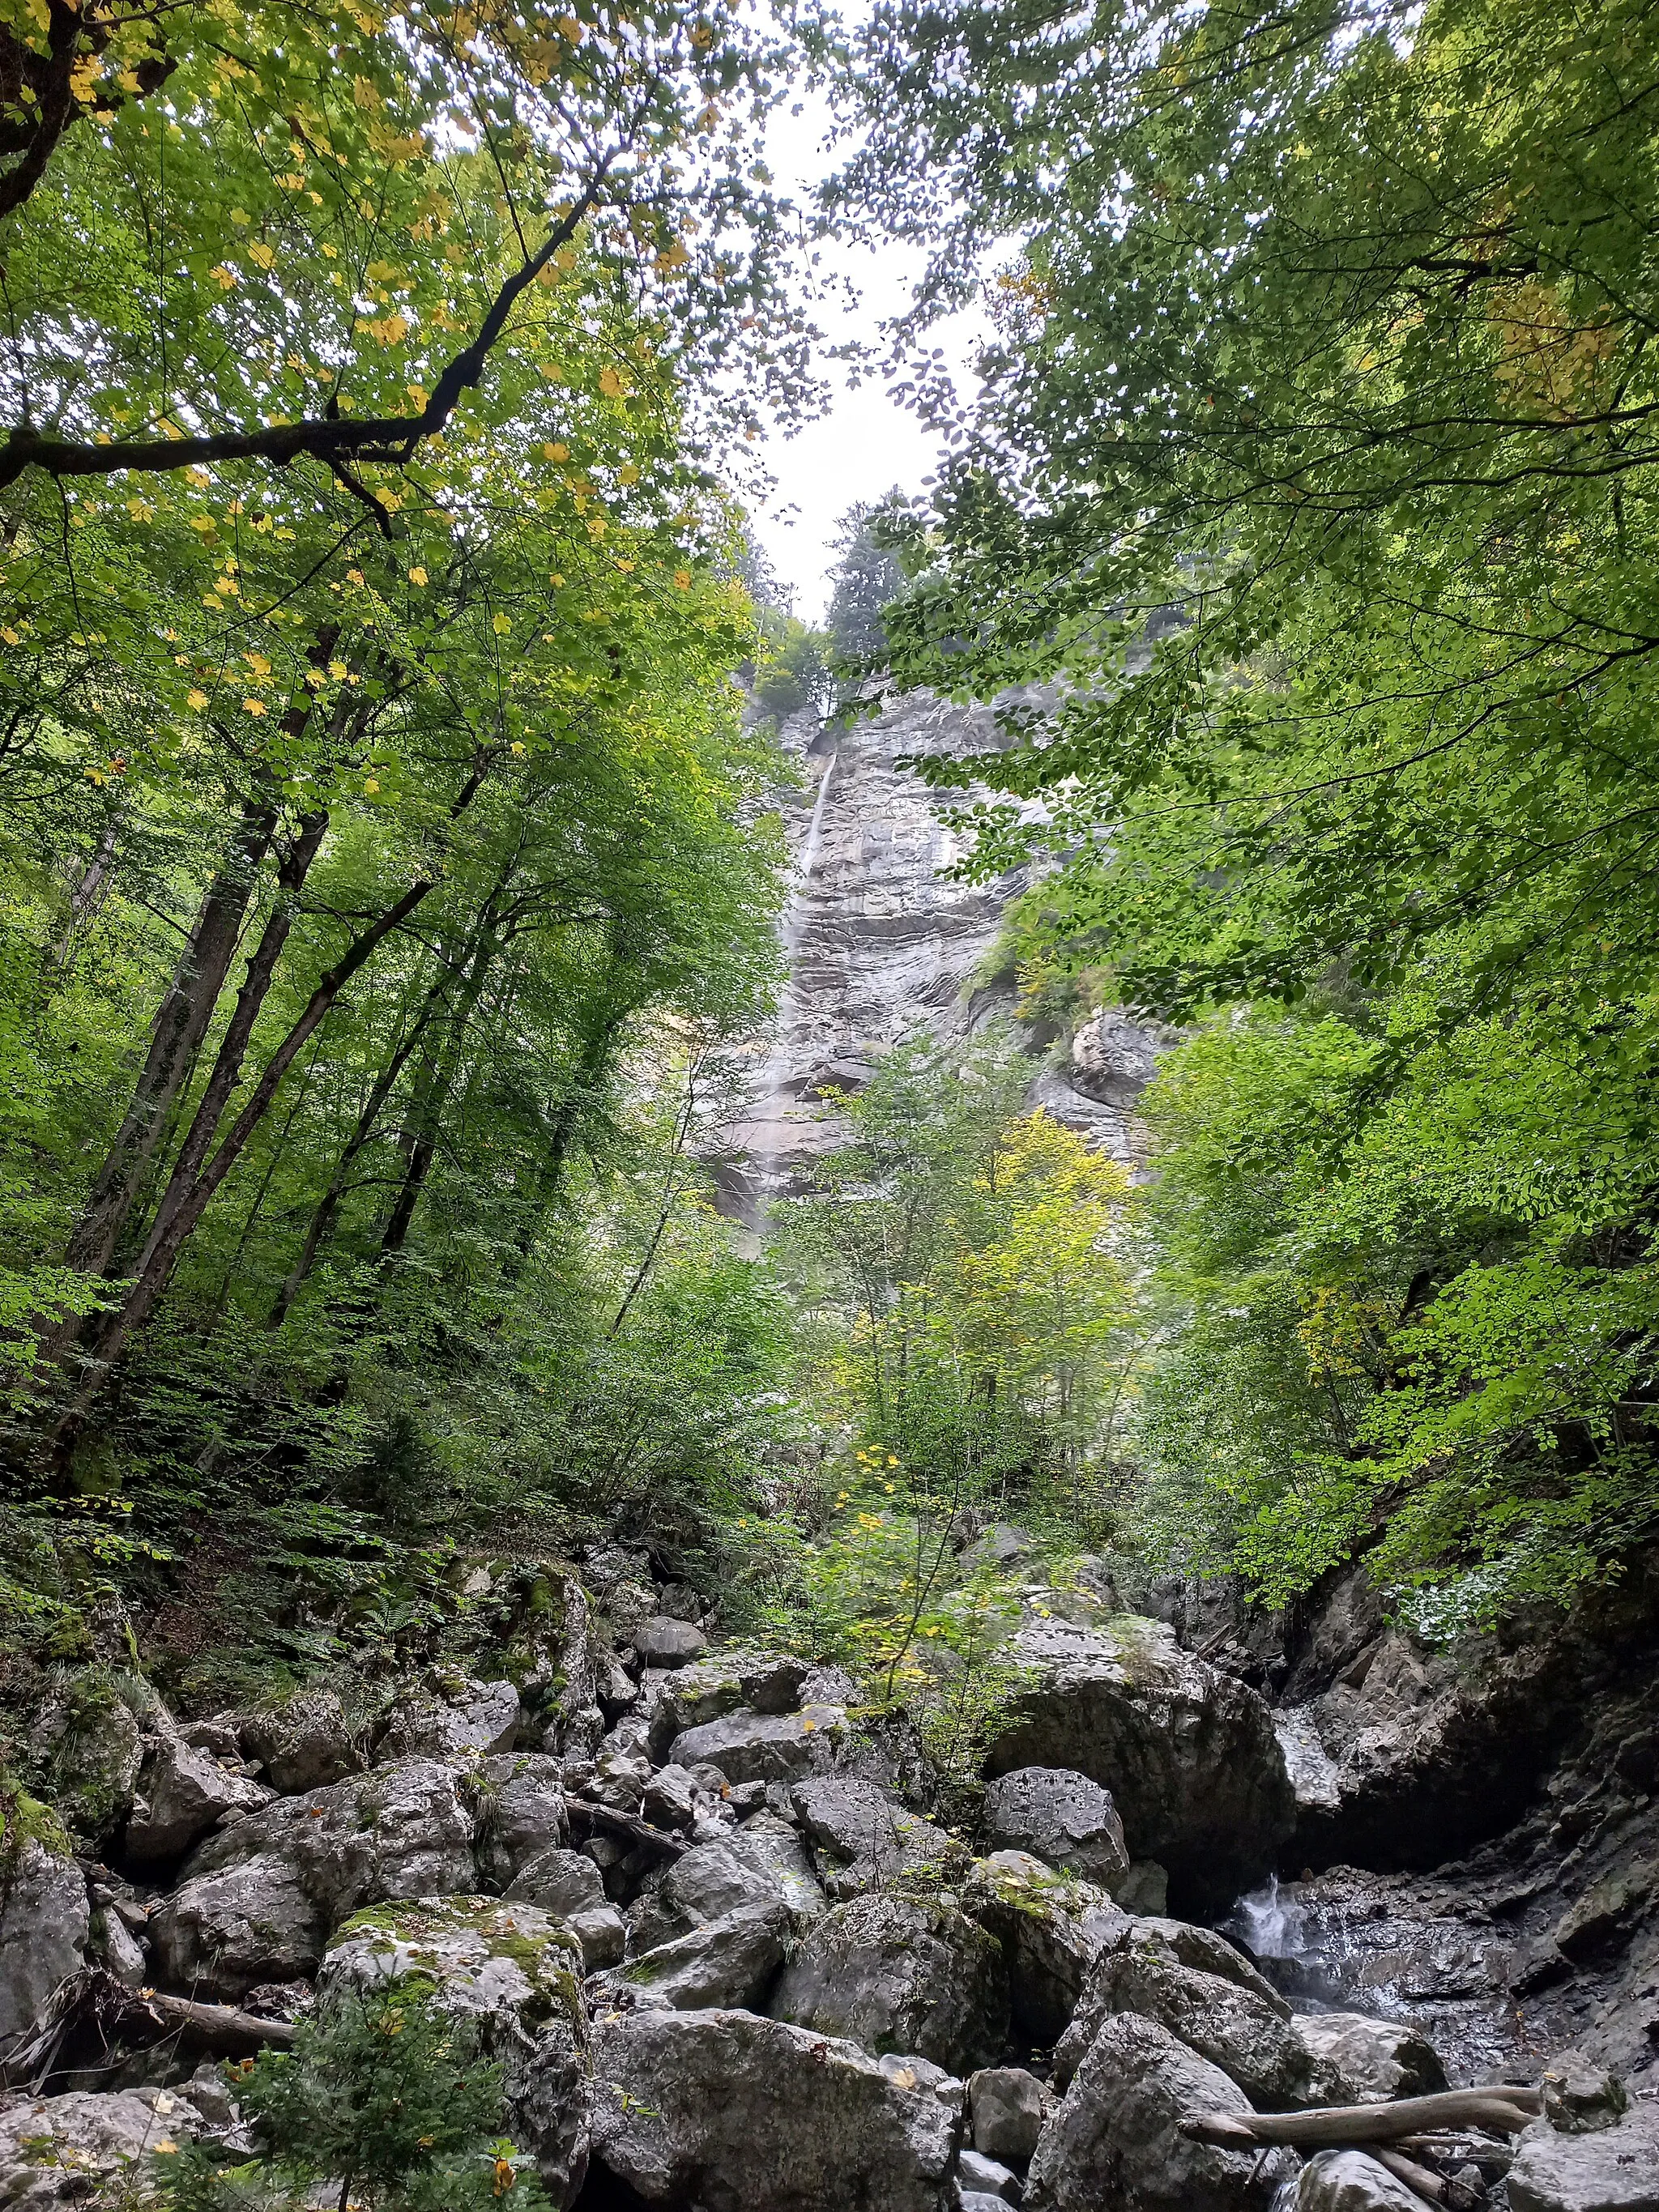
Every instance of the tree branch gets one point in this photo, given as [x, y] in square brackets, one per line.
[385, 438]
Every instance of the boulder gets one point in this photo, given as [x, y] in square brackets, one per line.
[702, 1885]
[1188, 1754]
[988, 2177]
[304, 1744]
[663, 1642]
[1251, 2041]
[1059, 1817]
[258, 1903]
[1349, 2181]
[893, 1976]
[1370, 2058]
[516, 1974]
[1580, 2096]
[89, 1743]
[522, 1815]
[860, 1836]
[1116, 2137]
[472, 1718]
[1180, 1941]
[1007, 2108]
[751, 1746]
[569, 1887]
[772, 1846]
[739, 2114]
[56, 2152]
[181, 1794]
[1615, 2170]
[731, 1961]
[670, 1798]
[45, 1923]
[1052, 1928]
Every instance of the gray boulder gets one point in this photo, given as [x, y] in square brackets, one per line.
[1184, 1945]
[1251, 2041]
[1060, 1817]
[1349, 2181]
[987, 2176]
[258, 1903]
[304, 1744]
[1188, 1754]
[1581, 2096]
[181, 1794]
[1370, 2058]
[702, 1885]
[860, 1836]
[569, 1887]
[663, 1642]
[733, 1960]
[1615, 2170]
[770, 1844]
[517, 1974]
[522, 1816]
[739, 2114]
[892, 1976]
[45, 1923]
[473, 1718]
[1006, 2109]
[88, 1741]
[751, 1746]
[56, 2152]
[1115, 2138]
[1052, 1928]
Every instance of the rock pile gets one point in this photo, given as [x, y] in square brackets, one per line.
[724, 1966]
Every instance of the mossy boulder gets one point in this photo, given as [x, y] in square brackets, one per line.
[517, 1972]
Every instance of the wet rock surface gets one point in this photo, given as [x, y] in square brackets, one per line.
[1189, 1754]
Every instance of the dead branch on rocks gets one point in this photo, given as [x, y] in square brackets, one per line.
[625, 1824]
[1504, 2109]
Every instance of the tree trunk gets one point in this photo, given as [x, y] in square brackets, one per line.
[181, 1022]
[321, 1224]
[437, 1079]
[233, 1049]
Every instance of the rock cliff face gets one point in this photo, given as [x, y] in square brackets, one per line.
[883, 946]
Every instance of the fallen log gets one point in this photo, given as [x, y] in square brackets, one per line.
[626, 1824]
[96, 2009]
[1503, 2109]
[1415, 2177]
[223, 2028]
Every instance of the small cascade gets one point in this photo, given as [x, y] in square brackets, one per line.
[1267, 1924]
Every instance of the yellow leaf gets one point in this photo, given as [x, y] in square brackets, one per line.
[336, 669]
[556, 451]
[417, 575]
[682, 579]
[611, 383]
[261, 255]
[225, 276]
[501, 624]
[253, 706]
[371, 784]
[354, 575]
[556, 581]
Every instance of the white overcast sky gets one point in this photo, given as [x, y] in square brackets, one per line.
[866, 442]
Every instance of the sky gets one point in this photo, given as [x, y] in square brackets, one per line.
[866, 442]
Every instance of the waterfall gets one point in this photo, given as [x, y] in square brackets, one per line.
[761, 1143]
[1272, 1929]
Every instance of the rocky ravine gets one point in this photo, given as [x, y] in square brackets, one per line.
[728, 1969]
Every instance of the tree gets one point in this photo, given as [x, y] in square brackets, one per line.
[1312, 476]
[297, 198]
[866, 577]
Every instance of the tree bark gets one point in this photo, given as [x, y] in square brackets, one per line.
[233, 1049]
[181, 1022]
